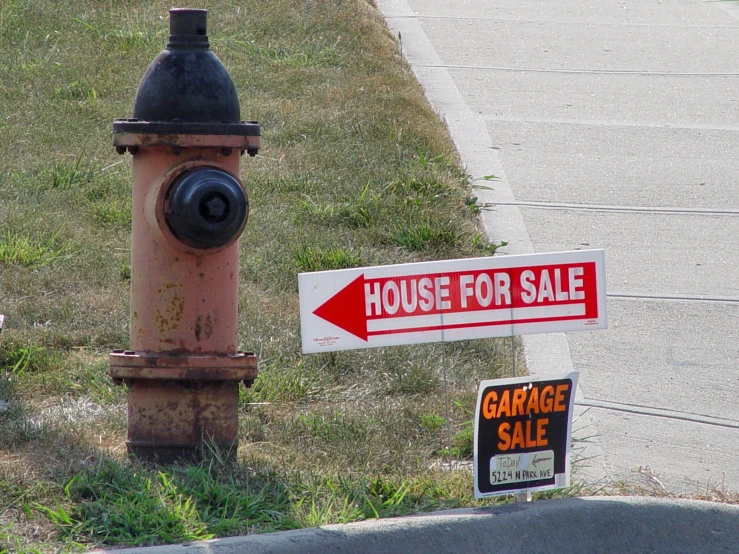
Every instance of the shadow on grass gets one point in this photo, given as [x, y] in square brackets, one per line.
[39, 451]
[81, 493]
[56, 477]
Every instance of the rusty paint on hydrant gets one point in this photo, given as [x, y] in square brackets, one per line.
[189, 208]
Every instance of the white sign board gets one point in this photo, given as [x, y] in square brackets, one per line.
[452, 300]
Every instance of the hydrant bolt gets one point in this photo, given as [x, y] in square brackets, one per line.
[214, 208]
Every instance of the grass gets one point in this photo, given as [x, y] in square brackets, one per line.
[21, 249]
[310, 258]
[356, 170]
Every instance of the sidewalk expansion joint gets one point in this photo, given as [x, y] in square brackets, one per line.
[673, 298]
[638, 409]
[611, 123]
[650, 210]
[575, 71]
[559, 21]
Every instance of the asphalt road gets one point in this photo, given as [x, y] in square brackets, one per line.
[612, 124]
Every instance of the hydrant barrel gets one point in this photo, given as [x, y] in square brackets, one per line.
[183, 366]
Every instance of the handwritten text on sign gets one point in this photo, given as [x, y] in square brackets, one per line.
[452, 300]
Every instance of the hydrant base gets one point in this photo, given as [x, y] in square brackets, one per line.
[198, 415]
[170, 454]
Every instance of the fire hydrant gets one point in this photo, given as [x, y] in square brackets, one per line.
[183, 368]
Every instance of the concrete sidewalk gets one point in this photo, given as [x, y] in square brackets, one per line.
[615, 125]
[574, 525]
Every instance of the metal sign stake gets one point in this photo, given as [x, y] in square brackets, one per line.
[448, 424]
[522, 496]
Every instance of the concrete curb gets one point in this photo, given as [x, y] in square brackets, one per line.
[573, 525]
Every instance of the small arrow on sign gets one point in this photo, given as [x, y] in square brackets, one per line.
[539, 460]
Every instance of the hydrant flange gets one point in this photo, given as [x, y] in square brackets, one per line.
[128, 365]
[131, 134]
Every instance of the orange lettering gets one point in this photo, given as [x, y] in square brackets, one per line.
[504, 406]
[541, 432]
[518, 439]
[533, 405]
[546, 400]
[519, 395]
[559, 398]
[488, 405]
[505, 437]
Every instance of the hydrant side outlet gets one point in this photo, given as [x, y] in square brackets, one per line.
[189, 208]
[206, 208]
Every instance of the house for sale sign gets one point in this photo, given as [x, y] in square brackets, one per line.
[452, 300]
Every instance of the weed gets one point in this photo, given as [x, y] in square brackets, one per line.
[129, 39]
[306, 54]
[484, 178]
[77, 91]
[113, 213]
[462, 443]
[285, 381]
[10, 543]
[425, 235]
[410, 378]
[426, 160]
[472, 205]
[432, 422]
[19, 361]
[23, 250]
[359, 214]
[356, 216]
[62, 176]
[419, 189]
[89, 378]
[118, 505]
[316, 211]
[309, 258]
[490, 248]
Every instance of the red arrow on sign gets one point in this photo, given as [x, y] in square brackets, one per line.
[346, 309]
[473, 298]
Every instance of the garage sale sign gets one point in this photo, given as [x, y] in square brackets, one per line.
[523, 431]
[452, 300]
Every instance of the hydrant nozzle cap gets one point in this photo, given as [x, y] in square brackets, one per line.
[188, 28]
[206, 208]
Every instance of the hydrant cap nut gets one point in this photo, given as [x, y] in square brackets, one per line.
[206, 208]
[188, 28]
